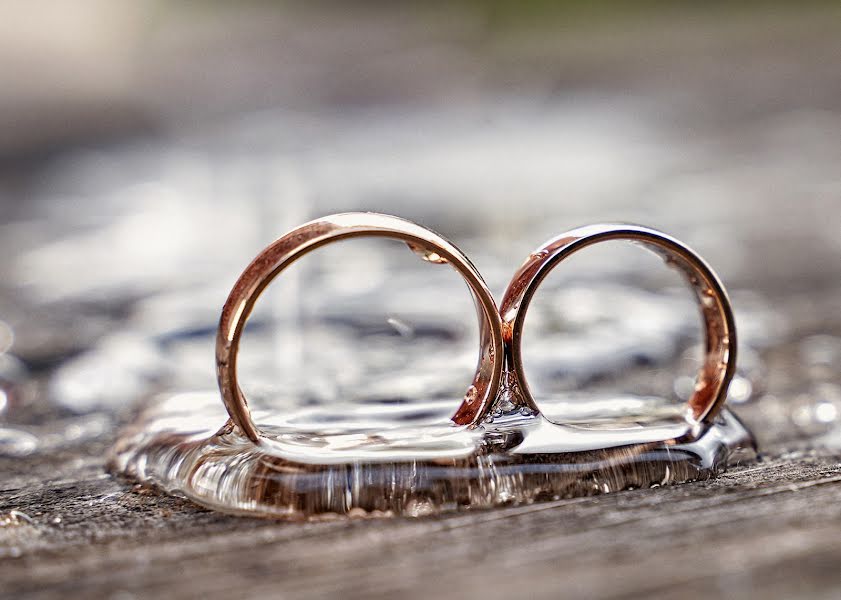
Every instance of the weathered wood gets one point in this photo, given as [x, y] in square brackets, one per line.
[768, 529]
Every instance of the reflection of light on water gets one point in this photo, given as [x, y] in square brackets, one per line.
[116, 372]
[15, 442]
[369, 458]
[164, 238]
[160, 222]
[576, 332]
[825, 412]
[401, 327]
[740, 391]
[817, 411]
[684, 387]
[169, 339]
[15, 517]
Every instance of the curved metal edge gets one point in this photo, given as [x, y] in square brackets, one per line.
[720, 328]
[281, 253]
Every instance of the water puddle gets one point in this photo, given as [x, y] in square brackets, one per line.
[365, 451]
[408, 459]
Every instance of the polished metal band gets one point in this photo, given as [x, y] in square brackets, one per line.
[719, 325]
[310, 236]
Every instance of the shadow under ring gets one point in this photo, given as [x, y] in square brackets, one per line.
[308, 237]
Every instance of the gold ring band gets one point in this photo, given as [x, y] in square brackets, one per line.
[719, 325]
[310, 236]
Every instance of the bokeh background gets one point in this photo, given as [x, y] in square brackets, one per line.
[148, 150]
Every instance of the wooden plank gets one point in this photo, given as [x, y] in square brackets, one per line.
[752, 529]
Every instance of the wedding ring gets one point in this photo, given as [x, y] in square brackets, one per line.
[310, 236]
[719, 326]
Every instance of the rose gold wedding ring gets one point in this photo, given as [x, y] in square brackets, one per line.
[310, 236]
[500, 330]
[719, 326]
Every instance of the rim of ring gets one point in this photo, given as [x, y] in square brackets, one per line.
[626, 233]
[346, 226]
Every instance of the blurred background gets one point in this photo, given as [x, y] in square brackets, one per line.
[148, 150]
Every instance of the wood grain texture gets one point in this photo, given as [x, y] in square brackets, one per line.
[770, 529]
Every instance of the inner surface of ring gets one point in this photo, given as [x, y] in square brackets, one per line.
[347, 433]
[709, 392]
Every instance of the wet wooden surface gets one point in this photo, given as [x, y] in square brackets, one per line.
[767, 529]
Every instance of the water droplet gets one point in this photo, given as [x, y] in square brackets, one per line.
[15, 517]
[14, 442]
[419, 508]
[826, 412]
[430, 256]
[401, 327]
[56, 520]
[471, 394]
[740, 390]
[817, 411]
[802, 416]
